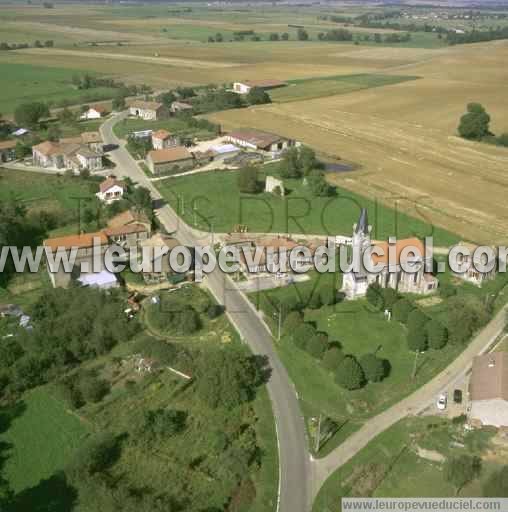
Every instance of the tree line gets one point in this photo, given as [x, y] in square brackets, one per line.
[20, 46]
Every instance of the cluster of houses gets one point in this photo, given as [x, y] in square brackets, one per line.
[129, 229]
[76, 153]
[155, 110]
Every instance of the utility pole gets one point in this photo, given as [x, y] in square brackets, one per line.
[414, 367]
[280, 322]
[318, 436]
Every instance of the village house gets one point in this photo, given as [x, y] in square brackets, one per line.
[355, 284]
[274, 186]
[467, 270]
[111, 190]
[162, 139]
[258, 140]
[66, 155]
[174, 160]
[93, 140]
[180, 106]
[7, 150]
[223, 151]
[489, 389]
[148, 110]
[95, 112]
[246, 86]
[128, 229]
[84, 245]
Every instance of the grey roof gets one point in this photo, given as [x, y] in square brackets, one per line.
[363, 223]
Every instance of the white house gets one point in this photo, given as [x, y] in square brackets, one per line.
[162, 139]
[111, 190]
[148, 110]
[489, 389]
[466, 269]
[246, 86]
[94, 112]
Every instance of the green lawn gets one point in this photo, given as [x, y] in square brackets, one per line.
[23, 83]
[45, 192]
[389, 466]
[328, 86]
[40, 437]
[200, 200]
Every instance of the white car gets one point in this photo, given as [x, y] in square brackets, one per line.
[442, 401]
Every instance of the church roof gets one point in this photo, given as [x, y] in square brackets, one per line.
[363, 223]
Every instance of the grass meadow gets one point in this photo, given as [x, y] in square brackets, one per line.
[22, 83]
[199, 199]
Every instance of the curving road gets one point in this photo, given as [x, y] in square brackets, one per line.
[295, 489]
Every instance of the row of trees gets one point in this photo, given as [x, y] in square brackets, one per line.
[20, 46]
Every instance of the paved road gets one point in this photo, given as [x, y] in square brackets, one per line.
[295, 473]
[412, 405]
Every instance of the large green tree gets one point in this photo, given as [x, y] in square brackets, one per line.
[475, 123]
[29, 114]
[349, 374]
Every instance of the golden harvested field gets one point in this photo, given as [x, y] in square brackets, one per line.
[404, 138]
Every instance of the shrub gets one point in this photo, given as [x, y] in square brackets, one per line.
[302, 334]
[332, 358]
[416, 320]
[390, 297]
[214, 311]
[349, 374]
[437, 334]
[374, 296]
[401, 310]
[373, 367]
[93, 389]
[316, 346]
[417, 340]
[447, 290]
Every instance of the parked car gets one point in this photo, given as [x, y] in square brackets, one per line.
[457, 396]
[442, 401]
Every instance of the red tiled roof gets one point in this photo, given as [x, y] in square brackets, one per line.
[176, 154]
[161, 134]
[399, 247]
[80, 241]
[7, 144]
[109, 183]
[125, 230]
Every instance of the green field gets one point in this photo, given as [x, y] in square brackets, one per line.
[40, 437]
[328, 86]
[23, 83]
[42, 192]
[389, 466]
[199, 199]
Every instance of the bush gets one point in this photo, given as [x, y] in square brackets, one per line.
[302, 334]
[447, 290]
[373, 367]
[214, 311]
[437, 334]
[92, 388]
[332, 358]
[316, 346]
[349, 374]
[248, 180]
[401, 310]
[417, 340]
[416, 320]
[374, 296]
[390, 297]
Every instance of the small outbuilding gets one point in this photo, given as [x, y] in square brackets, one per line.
[94, 112]
[148, 110]
[7, 150]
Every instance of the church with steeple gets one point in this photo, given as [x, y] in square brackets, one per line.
[406, 274]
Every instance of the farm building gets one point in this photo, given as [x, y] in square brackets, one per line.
[111, 190]
[148, 110]
[468, 272]
[66, 155]
[180, 106]
[246, 86]
[103, 280]
[256, 139]
[172, 159]
[162, 139]
[274, 185]
[94, 112]
[93, 140]
[7, 150]
[223, 151]
[129, 228]
[489, 389]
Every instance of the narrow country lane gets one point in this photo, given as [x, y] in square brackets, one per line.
[294, 462]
